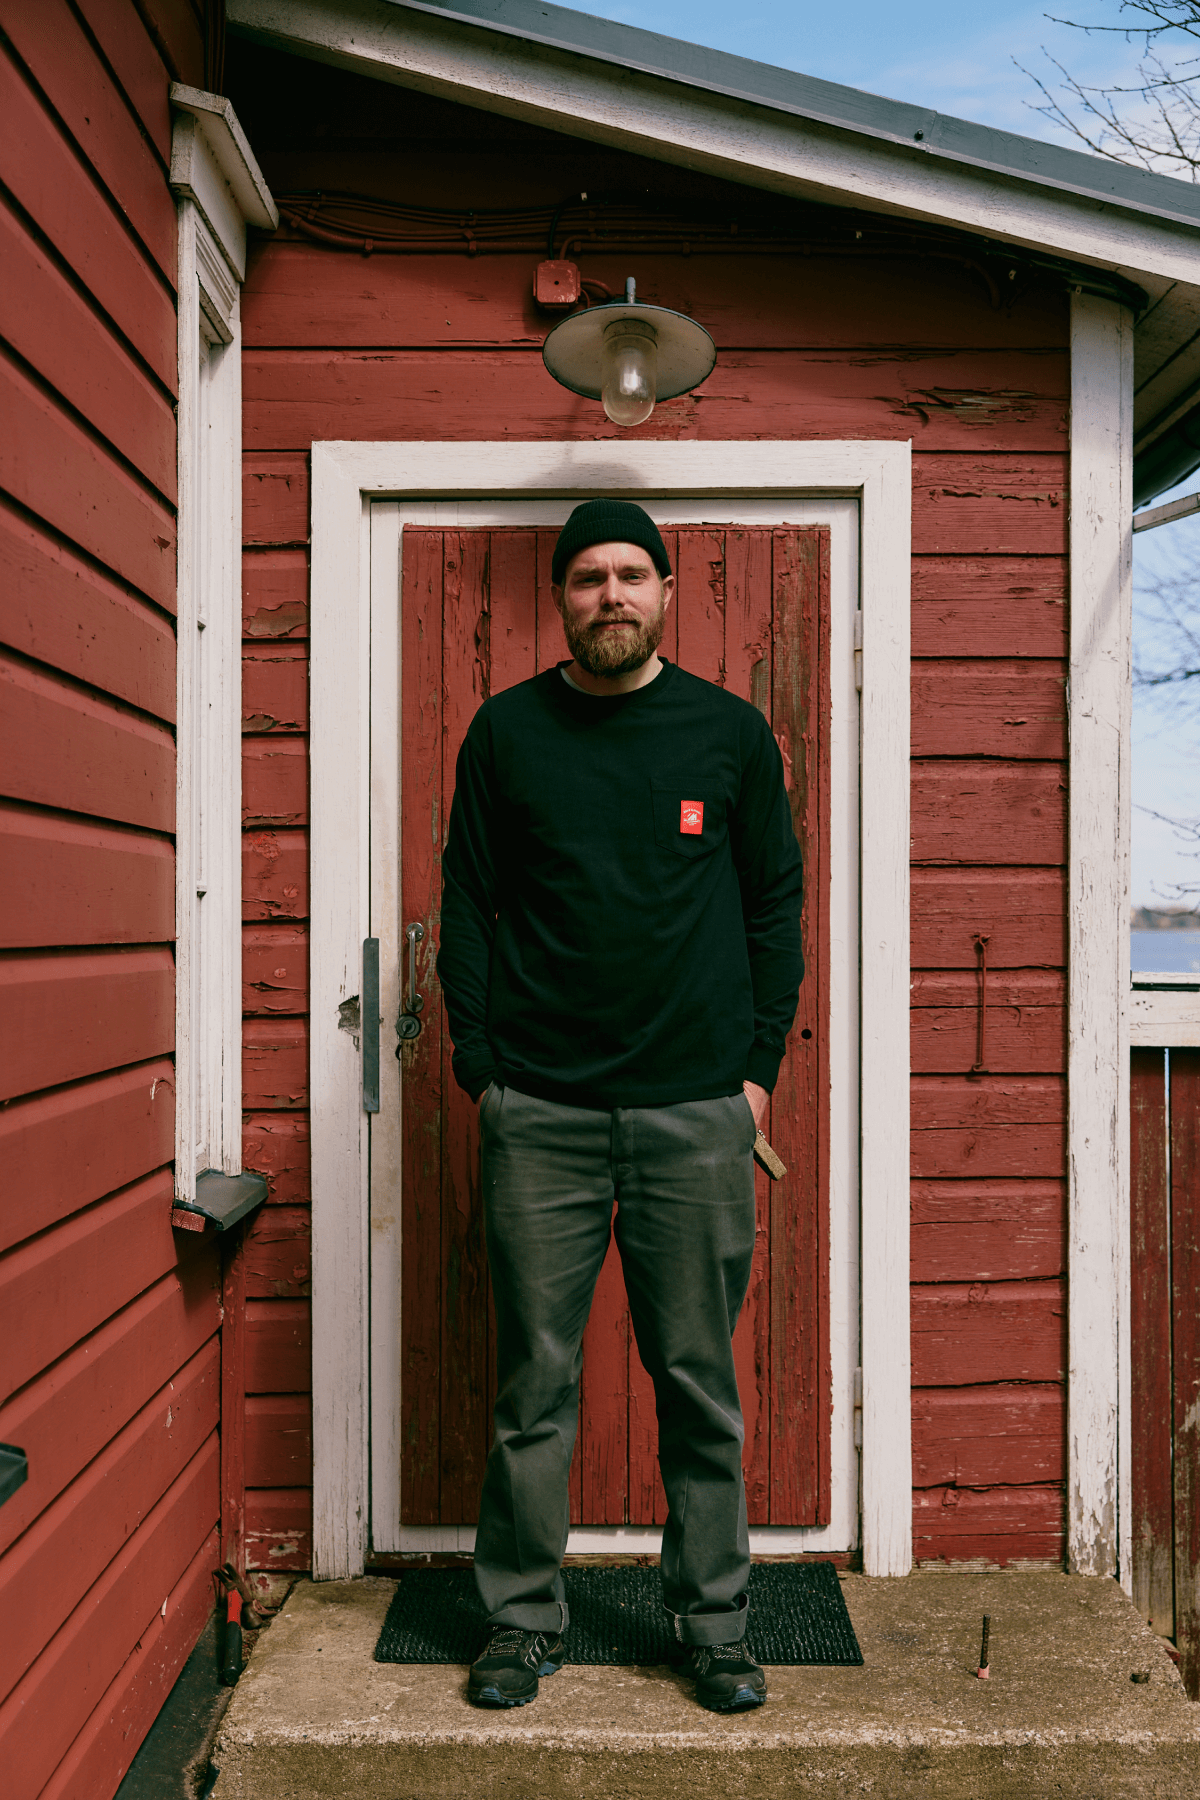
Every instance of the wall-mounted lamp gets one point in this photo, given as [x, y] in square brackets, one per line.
[629, 355]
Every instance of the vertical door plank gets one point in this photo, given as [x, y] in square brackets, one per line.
[551, 647]
[700, 604]
[752, 1359]
[604, 1408]
[748, 633]
[1150, 1341]
[797, 1401]
[464, 1360]
[1185, 1282]
[421, 1061]
[513, 609]
[670, 640]
[748, 674]
[813, 1016]
[647, 1500]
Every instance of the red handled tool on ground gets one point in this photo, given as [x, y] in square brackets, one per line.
[243, 1613]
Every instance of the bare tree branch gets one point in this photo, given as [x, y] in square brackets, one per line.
[1189, 831]
[1153, 123]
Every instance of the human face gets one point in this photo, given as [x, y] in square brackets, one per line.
[613, 604]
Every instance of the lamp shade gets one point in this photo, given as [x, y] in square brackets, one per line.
[573, 351]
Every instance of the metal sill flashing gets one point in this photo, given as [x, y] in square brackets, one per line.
[222, 1201]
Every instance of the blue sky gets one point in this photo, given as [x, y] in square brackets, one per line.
[938, 53]
[963, 60]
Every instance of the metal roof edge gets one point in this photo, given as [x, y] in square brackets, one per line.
[914, 128]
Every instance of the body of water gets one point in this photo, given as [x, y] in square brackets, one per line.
[1164, 952]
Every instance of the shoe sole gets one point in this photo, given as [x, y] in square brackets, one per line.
[496, 1700]
[743, 1699]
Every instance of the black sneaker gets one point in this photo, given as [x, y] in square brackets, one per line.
[726, 1679]
[506, 1674]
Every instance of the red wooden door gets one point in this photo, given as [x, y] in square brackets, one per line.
[752, 614]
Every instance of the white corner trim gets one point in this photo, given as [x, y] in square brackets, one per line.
[1099, 1491]
[208, 864]
[736, 139]
[886, 850]
[213, 165]
[345, 477]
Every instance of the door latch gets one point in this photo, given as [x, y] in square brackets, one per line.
[408, 1025]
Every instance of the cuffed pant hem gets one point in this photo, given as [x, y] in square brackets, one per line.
[535, 1615]
[711, 1628]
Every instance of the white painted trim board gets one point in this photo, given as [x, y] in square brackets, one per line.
[345, 476]
[208, 859]
[1099, 1488]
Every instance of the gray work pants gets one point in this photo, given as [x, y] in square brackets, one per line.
[683, 1180]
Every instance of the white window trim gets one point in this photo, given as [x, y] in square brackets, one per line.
[1099, 1485]
[345, 478]
[219, 189]
[1164, 1012]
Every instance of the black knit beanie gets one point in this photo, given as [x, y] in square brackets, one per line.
[608, 522]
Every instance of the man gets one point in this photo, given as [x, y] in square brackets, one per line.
[620, 956]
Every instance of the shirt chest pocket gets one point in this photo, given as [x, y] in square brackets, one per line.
[689, 821]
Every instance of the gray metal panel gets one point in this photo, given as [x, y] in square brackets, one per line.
[225, 1200]
[370, 1025]
[828, 103]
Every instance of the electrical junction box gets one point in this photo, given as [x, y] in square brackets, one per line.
[556, 284]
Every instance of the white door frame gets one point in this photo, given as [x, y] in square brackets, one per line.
[346, 477]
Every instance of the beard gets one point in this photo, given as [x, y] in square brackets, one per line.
[601, 650]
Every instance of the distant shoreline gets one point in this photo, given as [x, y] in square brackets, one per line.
[1162, 918]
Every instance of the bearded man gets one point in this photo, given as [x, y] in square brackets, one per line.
[620, 957]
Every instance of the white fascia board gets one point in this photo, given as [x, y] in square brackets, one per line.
[717, 133]
[213, 165]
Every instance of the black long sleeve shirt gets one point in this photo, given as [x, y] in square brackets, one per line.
[622, 889]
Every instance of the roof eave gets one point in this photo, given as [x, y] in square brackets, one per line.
[764, 144]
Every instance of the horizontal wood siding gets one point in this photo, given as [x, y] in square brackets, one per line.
[341, 346]
[275, 1005]
[110, 1352]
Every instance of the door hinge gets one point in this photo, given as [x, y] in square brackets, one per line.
[858, 651]
[858, 1409]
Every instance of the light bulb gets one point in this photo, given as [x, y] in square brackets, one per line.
[629, 371]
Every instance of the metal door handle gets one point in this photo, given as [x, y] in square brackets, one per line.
[370, 1025]
[408, 1025]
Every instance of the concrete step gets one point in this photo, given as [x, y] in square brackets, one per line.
[1059, 1717]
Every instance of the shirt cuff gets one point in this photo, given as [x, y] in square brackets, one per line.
[762, 1066]
[473, 1074]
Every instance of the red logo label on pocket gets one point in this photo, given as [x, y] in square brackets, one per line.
[691, 817]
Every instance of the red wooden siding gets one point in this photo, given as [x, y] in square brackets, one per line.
[344, 346]
[1165, 1340]
[110, 1353]
[275, 1005]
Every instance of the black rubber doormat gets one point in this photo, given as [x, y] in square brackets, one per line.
[797, 1616]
